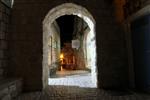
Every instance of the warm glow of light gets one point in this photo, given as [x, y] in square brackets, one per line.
[61, 56]
[61, 68]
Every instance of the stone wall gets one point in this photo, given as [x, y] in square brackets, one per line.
[127, 23]
[54, 44]
[4, 22]
[88, 48]
[126, 8]
[53, 48]
[79, 34]
[10, 89]
[26, 42]
[69, 60]
[147, 2]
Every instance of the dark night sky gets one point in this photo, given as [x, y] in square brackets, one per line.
[66, 25]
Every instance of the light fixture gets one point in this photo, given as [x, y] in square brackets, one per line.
[61, 56]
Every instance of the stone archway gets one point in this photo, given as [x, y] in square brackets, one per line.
[68, 9]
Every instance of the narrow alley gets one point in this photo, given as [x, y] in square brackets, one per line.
[74, 49]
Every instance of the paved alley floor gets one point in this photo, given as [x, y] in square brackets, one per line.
[76, 85]
[79, 78]
[76, 93]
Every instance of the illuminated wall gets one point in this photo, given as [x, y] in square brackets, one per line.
[54, 44]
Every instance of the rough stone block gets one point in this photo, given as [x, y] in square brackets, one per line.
[2, 35]
[8, 11]
[3, 92]
[13, 90]
[0, 15]
[4, 63]
[19, 86]
[1, 72]
[0, 63]
[1, 54]
[2, 26]
[10, 88]
[3, 44]
[6, 97]
[23, 15]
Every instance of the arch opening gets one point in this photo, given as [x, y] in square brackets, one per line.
[88, 43]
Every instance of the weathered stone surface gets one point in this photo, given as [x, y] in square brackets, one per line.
[27, 42]
[68, 9]
[6, 97]
[4, 91]
[4, 21]
[75, 93]
[10, 88]
[13, 90]
[1, 71]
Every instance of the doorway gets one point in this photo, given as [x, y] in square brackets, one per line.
[78, 56]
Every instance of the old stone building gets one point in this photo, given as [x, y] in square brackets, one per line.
[110, 46]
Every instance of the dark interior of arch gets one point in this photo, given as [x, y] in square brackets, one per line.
[68, 27]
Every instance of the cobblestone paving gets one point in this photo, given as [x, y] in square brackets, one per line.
[76, 93]
[80, 78]
[58, 91]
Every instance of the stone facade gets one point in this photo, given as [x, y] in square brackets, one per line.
[26, 42]
[68, 9]
[54, 44]
[69, 61]
[10, 89]
[53, 48]
[4, 32]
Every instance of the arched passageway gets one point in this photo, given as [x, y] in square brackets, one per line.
[69, 9]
